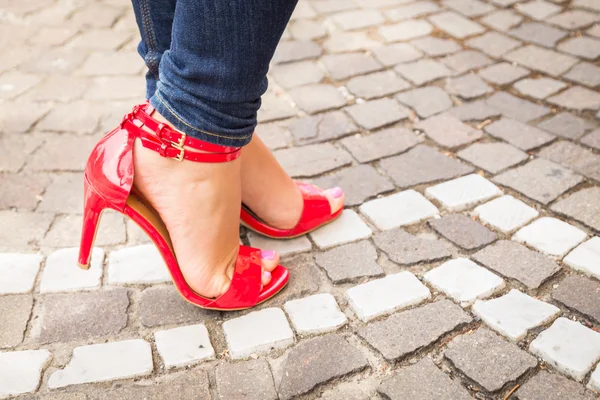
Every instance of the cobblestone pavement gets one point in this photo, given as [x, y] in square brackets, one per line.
[466, 264]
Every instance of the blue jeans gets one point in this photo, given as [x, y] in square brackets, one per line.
[208, 61]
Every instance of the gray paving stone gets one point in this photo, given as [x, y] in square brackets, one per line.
[399, 209]
[589, 4]
[539, 88]
[304, 29]
[22, 190]
[581, 294]
[396, 53]
[566, 125]
[433, 46]
[463, 231]
[538, 9]
[493, 44]
[384, 143]
[540, 180]
[493, 157]
[312, 160]
[296, 50]
[274, 107]
[358, 19]
[359, 183]
[297, 74]
[489, 360]
[466, 60]
[63, 195]
[375, 85]
[422, 71]
[448, 131]
[307, 280]
[574, 19]
[584, 73]
[376, 113]
[15, 312]
[592, 139]
[574, 157]
[422, 164]
[581, 47]
[332, 6]
[284, 248]
[409, 331]
[577, 98]
[321, 127]
[503, 73]
[515, 314]
[163, 305]
[275, 135]
[468, 86]
[569, 347]
[523, 136]
[343, 66]
[97, 314]
[405, 30]
[456, 25]
[516, 108]
[426, 101]
[318, 97]
[410, 11]
[474, 111]
[516, 261]
[469, 8]
[317, 361]
[406, 249]
[341, 42]
[540, 59]
[351, 261]
[502, 20]
[583, 206]
[538, 33]
[248, 380]
[549, 386]
[32, 227]
[408, 381]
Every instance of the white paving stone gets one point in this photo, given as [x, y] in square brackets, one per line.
[506, 213]
[464, 281]
[463, 192]
[347, 228]
[315, 314]
[105, 362]
[283, 247]
[258, 332]
[18, 272]
[586, 258]
[551, 236]
[137, 265]
[386, 295]
[21, 371]
[62, 274]
[594, 382]
[185, 345]
[515, 313]
[569, 346]
[398, 209]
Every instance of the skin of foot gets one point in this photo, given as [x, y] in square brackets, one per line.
[270, 192]
[200, 206]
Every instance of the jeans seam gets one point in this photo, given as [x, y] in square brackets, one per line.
[161, 100]
[149, 31]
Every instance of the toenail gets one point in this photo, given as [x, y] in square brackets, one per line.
[267, 255]
[266, 275]
[336, 192]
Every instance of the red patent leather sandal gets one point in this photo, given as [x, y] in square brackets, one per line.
[316, 213]
[108, 183]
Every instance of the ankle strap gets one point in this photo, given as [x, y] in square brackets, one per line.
[170, 143]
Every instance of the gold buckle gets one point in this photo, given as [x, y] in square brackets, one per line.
[179, 146]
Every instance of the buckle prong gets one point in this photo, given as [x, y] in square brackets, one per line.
[179, 146]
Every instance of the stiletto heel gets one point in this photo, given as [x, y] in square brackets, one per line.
[93, 205]
[109, 184]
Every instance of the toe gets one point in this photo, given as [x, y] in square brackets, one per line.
[336, 198]
[269, 261]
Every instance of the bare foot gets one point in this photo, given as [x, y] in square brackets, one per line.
[269, 191]
[200, 205]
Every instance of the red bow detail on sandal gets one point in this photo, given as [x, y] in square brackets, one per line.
[108, 183]
[316, 213]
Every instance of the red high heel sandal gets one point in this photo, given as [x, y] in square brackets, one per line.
[108, 182]
[316, 213]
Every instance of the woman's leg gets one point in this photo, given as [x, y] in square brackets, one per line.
[210, 83]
